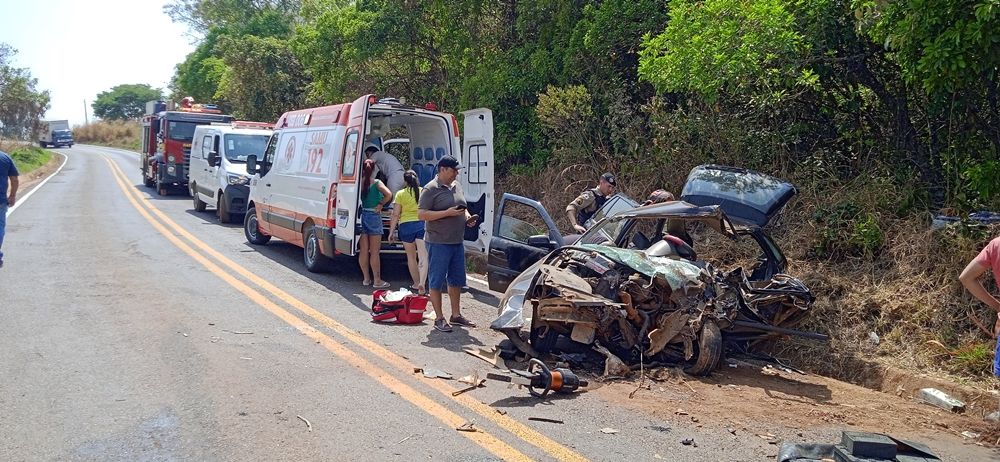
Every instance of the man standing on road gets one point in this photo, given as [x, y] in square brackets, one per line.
[8, 174]
[987, 260]
[589, 201]
[389, 165]
[443, 206]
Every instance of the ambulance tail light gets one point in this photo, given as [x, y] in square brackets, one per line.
[331, 208]
[454, 124]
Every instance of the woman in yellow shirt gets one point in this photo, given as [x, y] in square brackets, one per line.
[411, 229]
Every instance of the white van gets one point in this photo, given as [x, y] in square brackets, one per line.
[218, 173]
[305, 190]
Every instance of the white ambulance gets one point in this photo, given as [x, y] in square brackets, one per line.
[217, 174]
[305, 190]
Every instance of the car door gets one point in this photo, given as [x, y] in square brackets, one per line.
[477, 176]
[522, 234]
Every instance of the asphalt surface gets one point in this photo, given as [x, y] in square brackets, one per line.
[134, 328]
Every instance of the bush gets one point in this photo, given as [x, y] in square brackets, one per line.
[117, 133]
[27, 158]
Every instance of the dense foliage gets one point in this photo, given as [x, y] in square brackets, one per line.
[124, 102]
[21, 104]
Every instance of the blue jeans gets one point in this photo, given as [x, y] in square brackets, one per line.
[411, 231]
[3, 225]
[445, 263]
[371, 223]
[996, 359]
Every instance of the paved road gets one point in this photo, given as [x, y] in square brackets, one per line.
[137, 329]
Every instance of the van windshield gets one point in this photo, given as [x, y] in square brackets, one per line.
[238, 147]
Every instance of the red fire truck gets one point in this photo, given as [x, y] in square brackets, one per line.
[167, 133]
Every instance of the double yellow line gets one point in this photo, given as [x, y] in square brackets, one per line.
[338, 348]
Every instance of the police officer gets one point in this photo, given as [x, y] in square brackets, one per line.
[589, 201]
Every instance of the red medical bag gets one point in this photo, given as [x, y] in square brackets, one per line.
[409, 310]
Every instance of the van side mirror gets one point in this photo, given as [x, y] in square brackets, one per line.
[541, 241]
[252, 164]
[213, 159]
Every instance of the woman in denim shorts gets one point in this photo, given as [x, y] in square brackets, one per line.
[374, 195]
[411, 229]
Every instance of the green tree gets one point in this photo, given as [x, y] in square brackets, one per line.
[21, 104]
[127, 101]
[263, 77]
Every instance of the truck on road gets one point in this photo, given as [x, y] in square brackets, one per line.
[55, 133]
[167, 134]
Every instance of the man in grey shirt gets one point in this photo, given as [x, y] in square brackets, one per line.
[389, 165]
[442, 205]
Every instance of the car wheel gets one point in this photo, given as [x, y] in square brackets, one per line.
[199, 205]
[313, 258]
[222, 208]
[252, 230]
[709, 350]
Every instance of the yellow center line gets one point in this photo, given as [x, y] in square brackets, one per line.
[517, 428]
[487, 441]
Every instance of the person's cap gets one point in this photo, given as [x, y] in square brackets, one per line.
[370, 146]
[449, 161]
[609, 178]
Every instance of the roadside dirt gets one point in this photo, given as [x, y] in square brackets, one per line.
[779, 405]
[29, 180]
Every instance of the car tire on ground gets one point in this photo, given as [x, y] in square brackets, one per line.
[199, 205]
[313, 258]
[252, 230]
[709, 350]
[222, 208]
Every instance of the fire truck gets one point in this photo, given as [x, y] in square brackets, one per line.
[167, 132]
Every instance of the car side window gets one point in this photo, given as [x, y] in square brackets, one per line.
[206, 145]
[350, 154]
[520, 221]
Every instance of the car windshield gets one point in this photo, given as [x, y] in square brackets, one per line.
[603, 233]
[238, 147]
[62, 133]
[181, 131]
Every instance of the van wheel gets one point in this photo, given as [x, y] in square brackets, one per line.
[709, 350]
[252, 230]
[222, 208]
[199, 205]
[313, 258]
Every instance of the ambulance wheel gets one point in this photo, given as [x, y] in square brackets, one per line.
[313, 258]
[199, 205]
[709, 350]
[222, 208]
[252, 230]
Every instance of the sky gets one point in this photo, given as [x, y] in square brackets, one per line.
[79, 48]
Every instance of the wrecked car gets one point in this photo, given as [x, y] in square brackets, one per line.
[634, 286]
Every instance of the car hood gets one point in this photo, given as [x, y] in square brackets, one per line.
[747, 197]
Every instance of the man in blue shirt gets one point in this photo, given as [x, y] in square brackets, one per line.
[8, 173]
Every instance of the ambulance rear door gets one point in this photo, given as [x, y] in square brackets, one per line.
[477, 176]
[350, 173]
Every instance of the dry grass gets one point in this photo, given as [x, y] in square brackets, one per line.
[907, 293]
[117, 133]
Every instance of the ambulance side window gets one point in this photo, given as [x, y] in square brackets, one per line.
[272, 147]
[350, 154]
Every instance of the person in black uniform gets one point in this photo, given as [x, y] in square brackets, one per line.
[589, 201]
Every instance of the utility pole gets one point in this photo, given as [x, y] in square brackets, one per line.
[86, 121]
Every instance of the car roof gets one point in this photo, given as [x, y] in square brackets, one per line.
[748, 197]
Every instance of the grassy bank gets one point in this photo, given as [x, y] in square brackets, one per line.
[26, 157]
[114, 133]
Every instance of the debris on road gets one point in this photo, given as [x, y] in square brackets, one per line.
[238, 332]
[474, 382]
[435, 373]
[468, 427]
[491, 356]
[971, 435]
[543, 419]
[609, 430]
[858, 447]
[308, 424]
[938, 398]
[689, 442]
[540, 380]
